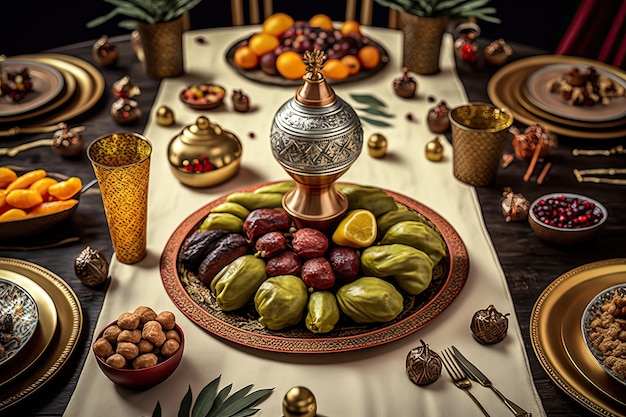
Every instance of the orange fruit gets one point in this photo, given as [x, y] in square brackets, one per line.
[356, 230]
[352, 62]
[321, 21]
[290, 65]
[277, 23]
[261, 43]
[369, 56]
[335, 69]
[350, 26]
[245, 58]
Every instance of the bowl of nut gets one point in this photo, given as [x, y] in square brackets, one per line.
[601, 325]
[566, 219]
[140, 349]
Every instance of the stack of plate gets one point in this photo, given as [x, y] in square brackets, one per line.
[521, 87]
[50, 320]
[64, 87]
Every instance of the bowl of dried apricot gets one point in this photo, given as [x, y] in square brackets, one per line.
[140, 349]
[32, 201]
[565, 218]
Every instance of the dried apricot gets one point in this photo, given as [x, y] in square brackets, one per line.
[262, 43]
[290, 65]
[65, 189]
[50, 207]
[25, 180]
[321, 21]
[350, 26]
[7, 176]
[41, 186]
[23, 199]
[335, 69]
[353, 63]
[277, 23]
[12, 214]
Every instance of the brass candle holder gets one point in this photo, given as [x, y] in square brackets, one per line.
[316, 136]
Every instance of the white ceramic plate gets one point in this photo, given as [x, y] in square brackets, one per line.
[593, 310]
[538, 92]
[48, 82]
[16, 301]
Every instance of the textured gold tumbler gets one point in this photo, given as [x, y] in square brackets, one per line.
[479, 132]
[121, 162]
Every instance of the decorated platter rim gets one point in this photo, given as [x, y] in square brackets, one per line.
[452, 282]
[25, 315]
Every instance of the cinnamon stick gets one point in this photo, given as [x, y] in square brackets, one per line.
[544, 172]
[533, 162]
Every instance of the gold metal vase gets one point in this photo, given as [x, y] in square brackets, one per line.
[162, 45]
[422, 42]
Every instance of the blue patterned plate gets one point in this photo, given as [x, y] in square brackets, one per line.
[593, 311]
[17, 302]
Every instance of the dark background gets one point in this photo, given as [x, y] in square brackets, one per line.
[29, 28]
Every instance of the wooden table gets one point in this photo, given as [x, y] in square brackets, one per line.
[528, 263]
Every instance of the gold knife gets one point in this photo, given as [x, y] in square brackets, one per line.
[475, 374]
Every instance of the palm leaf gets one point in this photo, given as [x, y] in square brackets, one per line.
[240, 402]
[375, 122]
[185, 404]
[376, 112]
[367, 99]
[205, 399]
[157, 410]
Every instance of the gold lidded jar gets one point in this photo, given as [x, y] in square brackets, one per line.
[203, 154]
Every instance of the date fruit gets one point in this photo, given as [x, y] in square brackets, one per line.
[345, 262]
[317, 273]
[198, 245]
[309, 243]
[286, 263]
[270, 244]
[229, 248]
[265, 220]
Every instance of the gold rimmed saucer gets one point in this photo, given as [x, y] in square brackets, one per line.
[558, 342]
[66, 337]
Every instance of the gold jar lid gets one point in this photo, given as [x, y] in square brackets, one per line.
[203, 154]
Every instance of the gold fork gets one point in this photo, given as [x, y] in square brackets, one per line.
[459, 378]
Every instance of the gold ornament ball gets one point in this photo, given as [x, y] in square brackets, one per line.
[165, 116]
[377, 145]
[299, 402]
[434, 150]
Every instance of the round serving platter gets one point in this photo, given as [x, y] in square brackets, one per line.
[21, 306]
[242, 327]
[264, 78]
[66, 336]
[558, 342]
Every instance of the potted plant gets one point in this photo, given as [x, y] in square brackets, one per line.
[425, 21]
[160, 24]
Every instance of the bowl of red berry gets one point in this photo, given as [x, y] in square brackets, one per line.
[565, 218]
[203, 154]
[203, 96]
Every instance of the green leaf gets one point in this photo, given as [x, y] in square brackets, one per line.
[367, 99]
[376, 112]
[157, 410]
[221, 396]
[185, 404]
[375, 122]
[246, 413]
[205, 399]
[240, 401]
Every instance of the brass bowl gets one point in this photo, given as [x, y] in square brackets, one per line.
[566, 236]
[203, 155]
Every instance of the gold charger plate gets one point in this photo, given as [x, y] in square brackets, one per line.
[537, 90]
[47, 83]
[43, 334]
[66, 94]
[505, 90]
[89, 89]
[243, 328]
[69, 327]
[558, 342]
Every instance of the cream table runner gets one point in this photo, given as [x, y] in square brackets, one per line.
[365, 383]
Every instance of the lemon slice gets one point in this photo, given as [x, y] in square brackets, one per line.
[356, 230]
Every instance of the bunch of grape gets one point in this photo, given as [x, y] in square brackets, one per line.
[302, 37]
